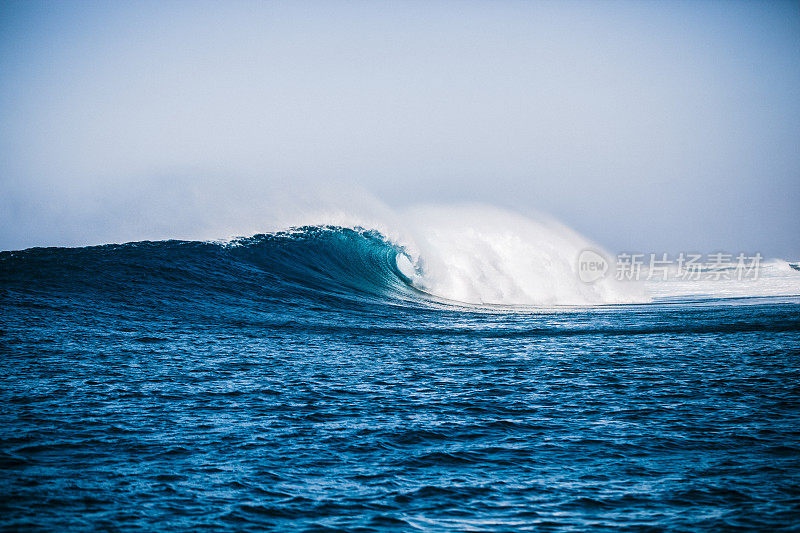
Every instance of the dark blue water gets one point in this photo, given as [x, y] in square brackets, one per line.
[296, 382]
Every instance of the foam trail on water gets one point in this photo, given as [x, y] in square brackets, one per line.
[775, 278]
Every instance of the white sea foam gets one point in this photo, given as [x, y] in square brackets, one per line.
[484, 255]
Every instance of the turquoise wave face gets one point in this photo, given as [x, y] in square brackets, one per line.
[324, 262]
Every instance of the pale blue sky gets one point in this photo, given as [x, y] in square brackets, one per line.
[648, 126]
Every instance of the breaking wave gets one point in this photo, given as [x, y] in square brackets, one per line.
[453, 256]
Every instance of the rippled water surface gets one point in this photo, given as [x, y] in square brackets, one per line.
[182, 385]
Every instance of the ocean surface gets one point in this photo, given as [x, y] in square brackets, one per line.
[304, 381]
